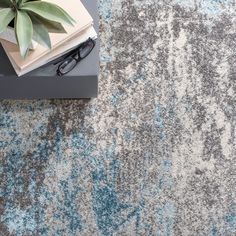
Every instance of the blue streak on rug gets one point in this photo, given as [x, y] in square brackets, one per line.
[212, 8]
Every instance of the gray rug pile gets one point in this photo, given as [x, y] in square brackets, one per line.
[154, 154]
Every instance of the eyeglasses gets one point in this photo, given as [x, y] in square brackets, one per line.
[71, 59]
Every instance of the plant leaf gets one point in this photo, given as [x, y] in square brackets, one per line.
[40, 33]
[17, 2]
[6, 16]
[65, 13]
[52, 26]
[48, 11]
[21, 2]
[5, 3]
[24, 31]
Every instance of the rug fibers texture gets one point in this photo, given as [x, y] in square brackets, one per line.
[154, 154]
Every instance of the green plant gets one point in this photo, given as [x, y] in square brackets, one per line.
[33, 19]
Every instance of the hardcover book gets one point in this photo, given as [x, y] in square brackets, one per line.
[54, 54]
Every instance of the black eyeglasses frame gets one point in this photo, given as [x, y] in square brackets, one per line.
[71, 56]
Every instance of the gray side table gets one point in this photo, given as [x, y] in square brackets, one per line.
[42, 83]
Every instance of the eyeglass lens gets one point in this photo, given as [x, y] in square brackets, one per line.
[86, 49]
[67, 65]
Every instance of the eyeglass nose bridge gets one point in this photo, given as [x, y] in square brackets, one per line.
[78, 56]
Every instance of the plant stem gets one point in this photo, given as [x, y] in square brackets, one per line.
[15, 7]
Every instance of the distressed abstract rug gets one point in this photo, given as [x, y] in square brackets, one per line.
[154, 154]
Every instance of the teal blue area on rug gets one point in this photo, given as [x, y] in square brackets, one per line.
[154, 154]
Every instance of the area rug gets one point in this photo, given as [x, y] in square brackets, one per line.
[154, 154]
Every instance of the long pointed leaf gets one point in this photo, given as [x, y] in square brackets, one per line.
[66, 14]
[21, 2]
[6, 16]
[24, 32]
[48, 11]
[52, 26]
[40, 33]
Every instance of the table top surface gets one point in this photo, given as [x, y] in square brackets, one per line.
[43, 83]
[87, 67]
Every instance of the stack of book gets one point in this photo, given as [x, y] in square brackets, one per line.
[61, 42]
